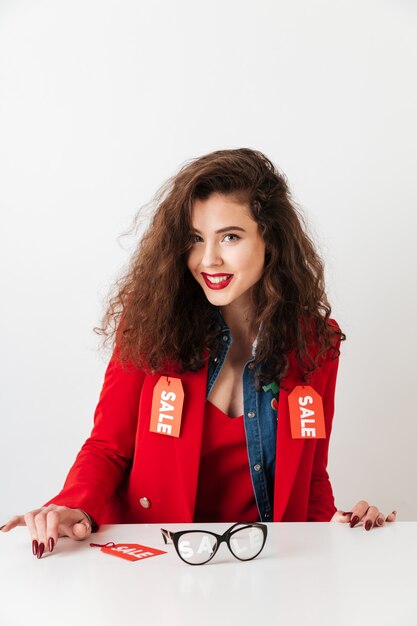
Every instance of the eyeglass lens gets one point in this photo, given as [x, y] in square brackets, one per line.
[246, 543]
[197, 547]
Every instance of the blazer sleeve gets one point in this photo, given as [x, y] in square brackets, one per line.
[106, 455]
[321, 507]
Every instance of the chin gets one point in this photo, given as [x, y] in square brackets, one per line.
[218, 299]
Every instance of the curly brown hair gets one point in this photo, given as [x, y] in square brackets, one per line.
[159, 314]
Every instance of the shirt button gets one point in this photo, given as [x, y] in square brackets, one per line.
[145, 503]
[225, 337]
[251, 366]
[251, 414]
[267, 515]
[257, 467]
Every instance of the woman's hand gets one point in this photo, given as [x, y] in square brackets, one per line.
[362, 512]
[48, 523]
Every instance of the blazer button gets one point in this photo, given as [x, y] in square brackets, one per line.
[145, 503]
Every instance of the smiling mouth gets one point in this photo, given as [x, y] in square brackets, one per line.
[217, 281]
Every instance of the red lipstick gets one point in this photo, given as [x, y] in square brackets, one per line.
[218, 281]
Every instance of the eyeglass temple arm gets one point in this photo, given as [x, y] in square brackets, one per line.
[254, 524]
[229, 530]
[166, 534]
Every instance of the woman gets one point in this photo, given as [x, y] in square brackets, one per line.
[217, 403]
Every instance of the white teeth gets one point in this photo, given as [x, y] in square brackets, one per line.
[218, 279]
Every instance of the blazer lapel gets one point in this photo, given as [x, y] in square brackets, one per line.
[169, 466]
[188, 446]
[288, 450]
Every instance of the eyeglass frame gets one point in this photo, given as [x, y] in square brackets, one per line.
[174, 537]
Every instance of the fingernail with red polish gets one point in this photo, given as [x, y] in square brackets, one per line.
[368, 524]
[51, 544]
[1, 527]
[34, 547]
[379, 521]
[395, 512]
[41, 550]
[354, 521]
[346, 512]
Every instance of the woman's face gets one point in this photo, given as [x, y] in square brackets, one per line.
[227, 254]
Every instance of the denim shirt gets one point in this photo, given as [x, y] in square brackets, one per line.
[260, 420]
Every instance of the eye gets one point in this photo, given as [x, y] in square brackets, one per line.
[230, 238]
[195, 239]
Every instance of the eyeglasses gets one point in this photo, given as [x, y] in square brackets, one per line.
[196, 547]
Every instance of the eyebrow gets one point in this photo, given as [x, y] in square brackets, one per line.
[223, 230]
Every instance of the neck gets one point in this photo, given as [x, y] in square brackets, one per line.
[240, 320]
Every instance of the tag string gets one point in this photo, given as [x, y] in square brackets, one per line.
[102, 545]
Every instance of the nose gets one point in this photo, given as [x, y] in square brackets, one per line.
[211, 256]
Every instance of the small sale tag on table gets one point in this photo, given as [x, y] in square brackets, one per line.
[128, 551]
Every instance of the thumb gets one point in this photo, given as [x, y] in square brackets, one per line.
[342, 516]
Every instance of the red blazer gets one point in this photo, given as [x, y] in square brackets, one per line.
[126, 474]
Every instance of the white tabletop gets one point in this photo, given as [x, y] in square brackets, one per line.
[307, 574]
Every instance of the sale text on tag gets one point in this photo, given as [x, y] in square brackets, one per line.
[167, 401]
[306, 413]
[131, 551]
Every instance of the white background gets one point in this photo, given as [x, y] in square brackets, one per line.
[102, 101]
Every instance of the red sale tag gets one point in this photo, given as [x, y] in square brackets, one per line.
[131, 551]
[167, 401]
[306, 413]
